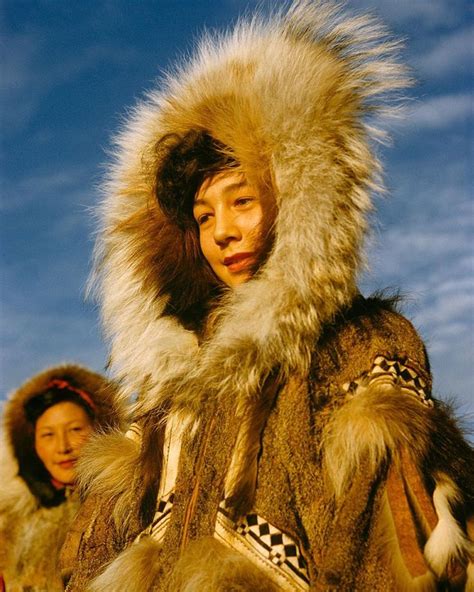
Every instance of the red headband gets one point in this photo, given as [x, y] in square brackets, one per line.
[60, 383]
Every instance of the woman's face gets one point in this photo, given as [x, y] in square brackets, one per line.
[60, 433]
[232, 217]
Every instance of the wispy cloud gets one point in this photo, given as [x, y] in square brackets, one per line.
[32, 341]
[449, 54]
[441, 112]
[49, 186]
[27, 78]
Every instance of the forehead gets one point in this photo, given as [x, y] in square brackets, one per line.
[60, 413]
[222, 183]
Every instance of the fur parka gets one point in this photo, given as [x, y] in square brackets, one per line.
[296, 446]
[33, 523]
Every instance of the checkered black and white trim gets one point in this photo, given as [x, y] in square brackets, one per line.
[385, 371]
[157, 528]
[265, 545]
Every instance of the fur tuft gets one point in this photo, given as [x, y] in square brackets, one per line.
[448, 546]
[373, 427]
[208, 566]
[107, 468]
[135, 570]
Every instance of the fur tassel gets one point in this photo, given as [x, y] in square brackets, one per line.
[135, 570]
[372, 427]
[448, 546]
[208, 566]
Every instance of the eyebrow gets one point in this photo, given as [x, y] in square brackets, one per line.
[52, 427]
[227, 189]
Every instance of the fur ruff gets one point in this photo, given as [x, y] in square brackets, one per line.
[291, 98]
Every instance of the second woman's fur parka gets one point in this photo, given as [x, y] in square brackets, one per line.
[293, 445]
[33, 519]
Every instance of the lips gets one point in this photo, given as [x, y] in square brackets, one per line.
[68, 464]
[239, 262]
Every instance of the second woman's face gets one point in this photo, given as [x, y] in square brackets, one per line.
[60, 433]
[232, 217]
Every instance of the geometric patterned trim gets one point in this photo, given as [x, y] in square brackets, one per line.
[393, 372]
[157, 528]
[271, 549]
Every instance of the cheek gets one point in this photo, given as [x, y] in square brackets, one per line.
[252, 226]
[44, 451]
[206, 244]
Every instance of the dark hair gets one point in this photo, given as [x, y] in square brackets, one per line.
[188, 161]
[31, 468]
[185, 162]
[36, 406]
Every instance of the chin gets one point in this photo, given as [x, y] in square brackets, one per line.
[66, 477]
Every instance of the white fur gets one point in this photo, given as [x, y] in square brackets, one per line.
[447, 542]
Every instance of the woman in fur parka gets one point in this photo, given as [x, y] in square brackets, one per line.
[285, 437]
[46, 422]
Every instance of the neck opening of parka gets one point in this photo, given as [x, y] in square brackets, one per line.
[296, 108]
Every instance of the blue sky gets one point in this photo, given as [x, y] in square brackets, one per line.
[69, 72]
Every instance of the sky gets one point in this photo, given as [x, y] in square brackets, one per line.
[69, 72]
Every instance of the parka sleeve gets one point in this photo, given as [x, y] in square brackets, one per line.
[397, 468]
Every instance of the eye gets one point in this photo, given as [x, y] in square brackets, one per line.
[203, 219]
[46, 435]
[243, 201]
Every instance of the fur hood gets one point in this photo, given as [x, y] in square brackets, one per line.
[20, 483]
[296, 98]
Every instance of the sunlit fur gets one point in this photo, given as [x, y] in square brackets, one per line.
[136, 571]
[448, 543]
[297, 107]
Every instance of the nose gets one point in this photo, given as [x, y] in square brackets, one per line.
[63, 443]
[225, 228]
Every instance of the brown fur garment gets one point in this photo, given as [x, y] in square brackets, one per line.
[31, 534]
[295, 99]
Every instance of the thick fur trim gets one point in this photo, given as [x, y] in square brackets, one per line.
[135, 570]
[107, 468]
[290, 97]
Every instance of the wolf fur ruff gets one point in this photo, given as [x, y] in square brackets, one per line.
[294, 99]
